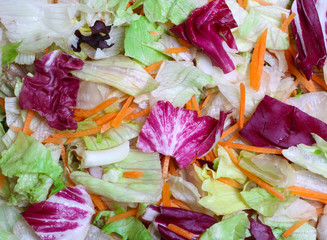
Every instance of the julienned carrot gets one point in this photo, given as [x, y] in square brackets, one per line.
[188, 105]
[65, 160]
[172, 169]
[175, 50]
[77, 134]
[28, 121]
[305, 192]
[98, 202]
[251, 148]
[292, 229]
[206, 100]
[130, 213]
[324, 201]
[70, 140]
[184, 43]
[117, 121]
[2, 178]
[153, 33]
[153, 67]
[133, 174]
[108, 125]
[18, 129]
[241, 3]
[165, 195]
[180, 231]
[258, 60]
[242, 106]
[195, 105]
[180, 204]
[165, 166]
[234, 137]
[287, 22]
[230, 130]
[263, 3]
[53, 140]
[319, 81]
[2, 103]
[254, 178]
[230, 182]
[106, 118]
[138, 114]
[100, 107]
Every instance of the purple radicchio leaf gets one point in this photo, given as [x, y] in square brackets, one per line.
[260, 231]
[276, 124]
[65, 215]
[309, 30]
[97, 39]
[179, 133]
[209, 29]
[52, 90]
[193, 222]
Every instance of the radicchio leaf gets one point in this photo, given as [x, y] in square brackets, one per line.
[52, 90]
[275, 124]
[260, 231]
[65, 215]
[193, 222]
[309, 29]
[179, 133]
[209, 29]
[100, 33]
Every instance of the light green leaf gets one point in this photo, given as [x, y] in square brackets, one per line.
[305, 232]
[9, 53]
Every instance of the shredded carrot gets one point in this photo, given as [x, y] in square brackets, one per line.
[263, 3]
[241, 3]
[319, 81]
[97, 117]
[2, 179]
[212, 155]
[184, 43]
[229, 131]
[165, 166]
[258, 60]
[180, 204]
[289, 95]
[234, 137]
[154, 66]
[2, 103]
[70, 140]
[172, 169]
[206, 100]
[292, 51]
[130, 213]
[100, 107]
[106, 118]
[196, 105]
[138, 114]
[15, 129]
[180, 231]
[154, 75]
[254, 178]
[251, 148]
[46, 50]
[305, 192]
[154, 34]
[242, 106]
[133, 174]
[118, 119]
[175, 50]
[324, 201]
[65, 160]
[53, 140]
[105, 127]
[159, 203]
[165, 195]
[188, 105]
[98, 202]
[77, 134]
[308, 108]
[28, 121]
[287, 22]
[292, 229]
[174, 205]
[230, 182]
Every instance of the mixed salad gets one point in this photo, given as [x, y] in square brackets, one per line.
[163, 119]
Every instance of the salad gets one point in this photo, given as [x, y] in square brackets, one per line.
[161, 119]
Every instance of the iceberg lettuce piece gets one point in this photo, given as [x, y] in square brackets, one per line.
[9, 53]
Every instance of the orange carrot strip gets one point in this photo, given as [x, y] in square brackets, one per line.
[70, 140]
[165, 195]
[172, 169]
[319, 81]
[230, 130]
[263, 3]
[287, 22]
[234, 137]
[106, 118]
[28, 121]
[77, 134]
[2, 103]
[117, 121]
[180, 204]
[154, 66]
[138, 114]
[251, 148]
[206, 100]
[212, 155]
[98, 202]
[196, 105]
[305, 192]
[254, 178]
[241, 3]
[100, 107]
[242, 106]
[184, 43]
[230, 182]
[258, 60]
[165, 166]
[316, 199]
[133, 174]
[2, 179]
[65, 160]
[297, 225]
[175, 50]
[130, 213]
[15, 129]
[188, 105]
[53, 140]
[46, 50]
[153, 33]
[97, 117]
[180, 231]
[108, 125]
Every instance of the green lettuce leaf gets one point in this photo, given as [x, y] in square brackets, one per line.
[113, 137]
[137, 34]
[144, 189]
[177, 83]
[233, 228]
[120, 72]
[313, 158]
[9, 53]
[176, 11]
[305, 232]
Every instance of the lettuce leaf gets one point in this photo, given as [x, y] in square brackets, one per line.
[233, 228]
[137, 34]
[119, 72]
[305, 232]
[9, 53]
